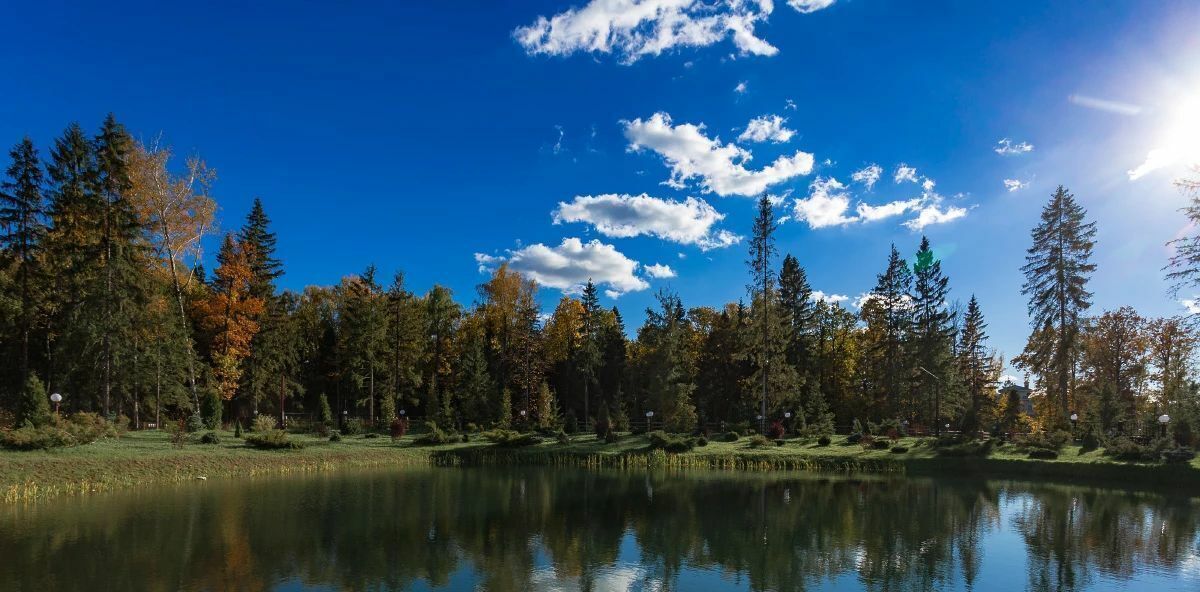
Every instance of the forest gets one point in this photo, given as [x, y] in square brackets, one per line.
[104, 299]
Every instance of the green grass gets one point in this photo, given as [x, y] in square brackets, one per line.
[143, 458]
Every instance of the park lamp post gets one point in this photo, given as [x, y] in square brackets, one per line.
[649, 417]
[1074, 422]
[787, 418]
[937, 400]
[56, 399]
[1163, 420]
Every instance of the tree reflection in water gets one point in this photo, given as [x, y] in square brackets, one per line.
[530, 529]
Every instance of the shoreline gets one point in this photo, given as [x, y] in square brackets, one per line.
[147, 458]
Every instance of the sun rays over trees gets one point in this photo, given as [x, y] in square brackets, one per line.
[104, 298]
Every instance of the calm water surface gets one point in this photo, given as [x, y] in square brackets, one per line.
[563, 529]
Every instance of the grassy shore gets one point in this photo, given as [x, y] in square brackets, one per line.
[142, 458]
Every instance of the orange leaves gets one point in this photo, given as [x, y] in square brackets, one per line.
[229, 316]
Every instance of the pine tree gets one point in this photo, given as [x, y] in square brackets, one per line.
[932, 337]
[406, 342]
[795, 301]
[264, 266]
[613, 347]
[364, 336]
[22, 218]
[1057, 268]
[587, 356]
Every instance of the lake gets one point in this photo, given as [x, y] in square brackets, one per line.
[566, 529]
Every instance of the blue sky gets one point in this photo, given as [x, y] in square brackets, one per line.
[440, 137]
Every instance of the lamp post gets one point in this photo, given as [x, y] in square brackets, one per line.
[787, 418]
[56, 399]
[1074, 422]
[649, 418]
[1163, 420]
[937, 400]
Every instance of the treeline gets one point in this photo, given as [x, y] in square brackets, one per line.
[103, 298]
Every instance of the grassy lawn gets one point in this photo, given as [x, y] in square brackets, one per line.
[148, 457]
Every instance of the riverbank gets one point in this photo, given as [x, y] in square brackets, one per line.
[145, 458]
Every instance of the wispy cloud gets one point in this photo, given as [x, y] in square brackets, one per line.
[720, 168]
[740, 88]
[867, 175]
[1105, 105]
[820, 296]
[905, 173]
[1015, 185]
[1006, 147]
[660, 271]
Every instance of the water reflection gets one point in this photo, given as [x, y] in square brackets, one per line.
[556, 529]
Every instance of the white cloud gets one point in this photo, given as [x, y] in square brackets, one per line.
[1015, 185]
[632, 29]
[1006, 147]
[935, 214]
[740, 88]
[719, 167]
[660, 271]
[1155, 159]
[870, 213]
[905, 173]
[571, 264]
[830, 298]
[905, 302]
[1192, 306]
[867, 175]
[766, 127]
[689, 222]
[826, 204]
[1105, 105]
[790, 104]
[807, 6]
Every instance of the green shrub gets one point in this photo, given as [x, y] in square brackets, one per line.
[335, 437]
[370, 435]
[324, 415]
[562, 437]
[1179, 455]
[434, 436]
[1043, 453]
[510, 438]
[237, 427]
[824, 441]
[660, 440]
[958, 447]
[262, 423]
[780, 442]
[730, 437]
[210, 438]
[195, 423]
[880, 444]
[1044, 440]
[759, 440]
[352, 427]
[702, 441]
[611, 437]
[899, 449]
[1122, 448]
[1089, 441]
[210, 408]
[35, 438]
[272, 440]
[854, 438]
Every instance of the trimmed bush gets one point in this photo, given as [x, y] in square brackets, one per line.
[611, 437]
[1179, 455]
[759, 440]
[210, 438]
[31, 438]
[335, 437]
[780, 442]
[1122, 448]
[880, 445]
[562, 437]
[824, 441]
[399, 427]
[1043, 453]
[854, 438]
[730, 437]
[660, 440]
[210, 408]
[702, 441]
[899, 449]
[195, 423]
[510, 438]
[272, 440]
[352, 427]
[369, 435]
[34, 407]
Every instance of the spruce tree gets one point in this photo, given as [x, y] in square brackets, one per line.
[587, 355]
[932, 337]
[776, 381]
[1057, 268]
[34, 407]
[887, 312]
[406, 343]
[22, 218]
[976, 367]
